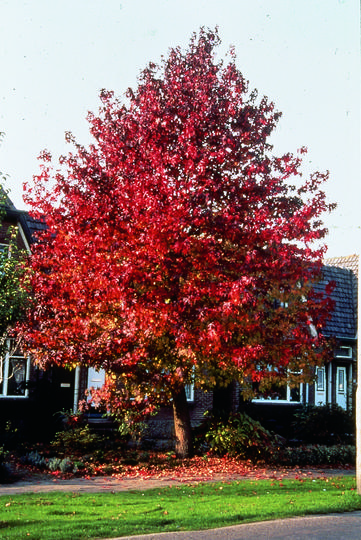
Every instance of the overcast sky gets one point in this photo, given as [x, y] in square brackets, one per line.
[56, 56]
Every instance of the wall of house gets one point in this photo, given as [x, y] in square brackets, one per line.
[32, 417]
[274, 417]
[159, 432]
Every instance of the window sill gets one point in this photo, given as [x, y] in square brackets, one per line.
[276, 401]
[13, 397]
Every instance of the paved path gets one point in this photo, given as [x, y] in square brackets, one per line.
[45, 482]
[98, 484]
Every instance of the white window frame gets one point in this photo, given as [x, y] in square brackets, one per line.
[341, 386]
[282, 401]
[320, 385]
[4, 375]
[341, 381]
[320, 379]
[189, 388]
[288, 400]
[5, 369]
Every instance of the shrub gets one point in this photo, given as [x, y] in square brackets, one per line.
[241, 436]
[66, 465]
[34, 459]
[77, 439]
[325, 424]
[53, 464]
[313, 455]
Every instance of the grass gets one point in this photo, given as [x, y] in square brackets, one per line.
[73, 516]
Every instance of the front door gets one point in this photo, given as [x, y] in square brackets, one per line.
[341, 387]
[63, 388]
[96, 378]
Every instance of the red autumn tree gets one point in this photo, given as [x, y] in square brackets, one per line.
[177, 249]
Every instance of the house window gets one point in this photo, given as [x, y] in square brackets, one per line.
[280, 394]
[320, 379]
[14, 373]
[343, 352]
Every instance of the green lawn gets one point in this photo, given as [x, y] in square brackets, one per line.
[71, 516]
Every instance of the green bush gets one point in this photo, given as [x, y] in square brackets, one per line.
[313, 455]
[243, 437]
[53, 464]
[78, 439]
[324, 424]
[66, 465]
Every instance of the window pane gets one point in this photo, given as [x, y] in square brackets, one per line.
[320, 379]
[274, 393]
[16, 376]
[189, 388]
[343, 352]
[278, 393]
[295, 394]
[341, 381]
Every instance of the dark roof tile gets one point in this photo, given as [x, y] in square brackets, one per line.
[343, 321]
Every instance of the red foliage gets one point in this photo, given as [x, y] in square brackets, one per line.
[196, 469]
[177, 246]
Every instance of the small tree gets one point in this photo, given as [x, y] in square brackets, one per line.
[177, 249]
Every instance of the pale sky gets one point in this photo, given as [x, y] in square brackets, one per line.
[57, 55]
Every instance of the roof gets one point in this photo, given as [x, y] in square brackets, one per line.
[343, 321]
[34, 225]
[351, 262]
[29, 224]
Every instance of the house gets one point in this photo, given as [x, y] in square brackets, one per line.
[334, 382]
[28, 395]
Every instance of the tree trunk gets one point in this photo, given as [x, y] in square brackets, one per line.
[182, 424]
